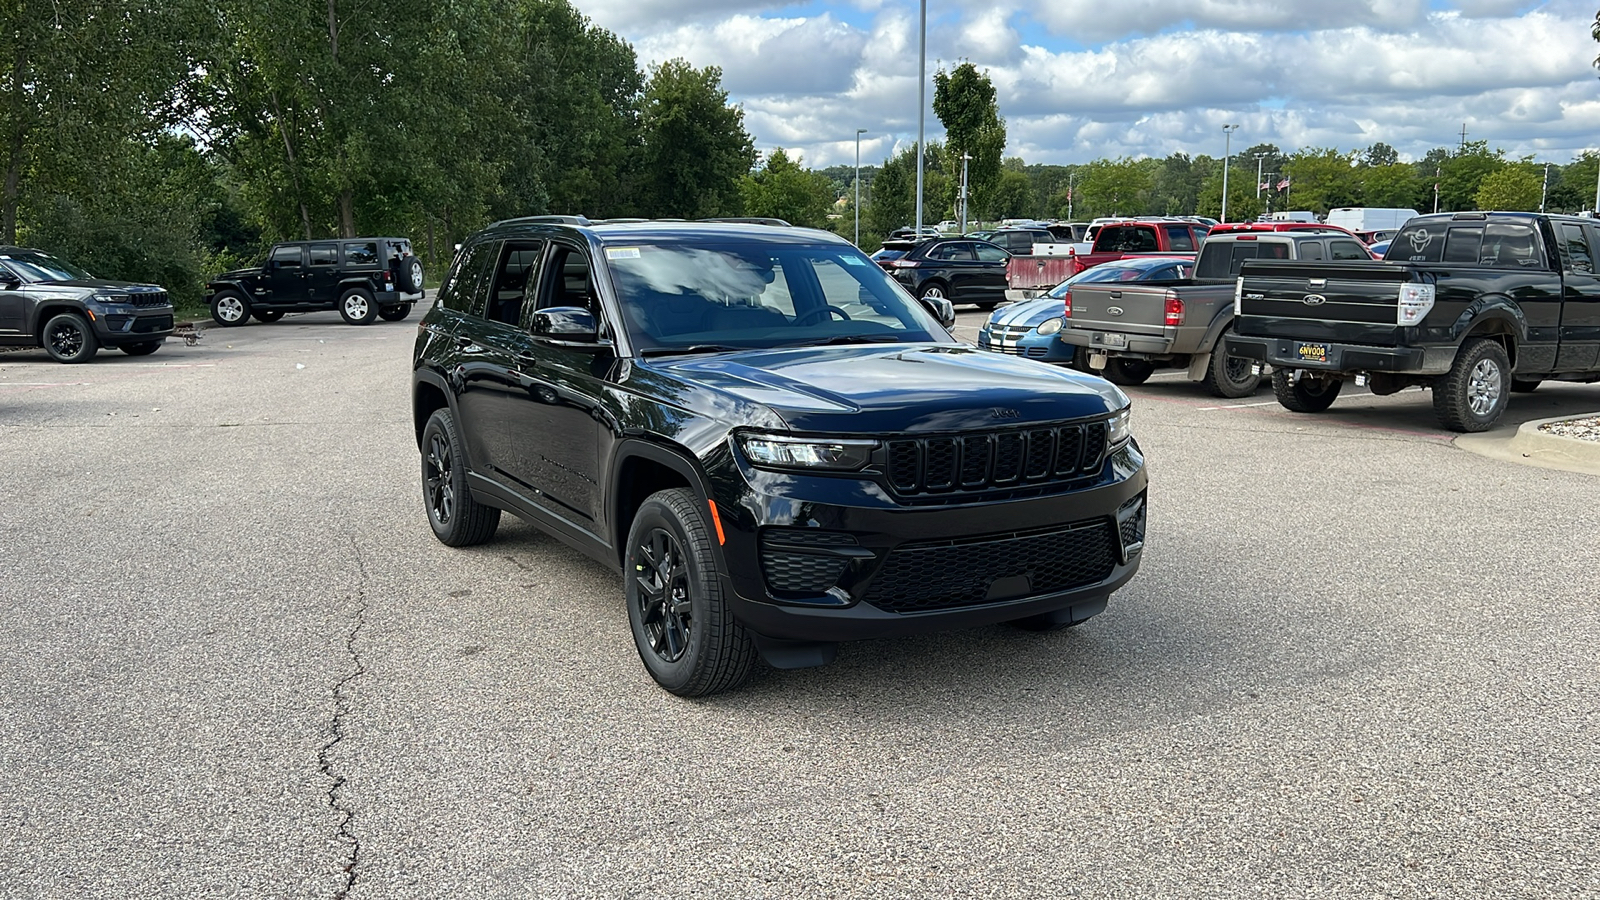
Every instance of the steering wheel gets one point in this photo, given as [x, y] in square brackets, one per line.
[823, 313]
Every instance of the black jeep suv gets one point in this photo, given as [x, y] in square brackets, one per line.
[363, 278]
[51, 303]
[773, 442]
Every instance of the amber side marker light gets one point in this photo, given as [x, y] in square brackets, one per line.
[716, 520]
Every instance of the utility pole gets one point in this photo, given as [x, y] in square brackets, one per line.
[1544, 192]
[1259, 158]
[1273, 190]
[964, 191]
[922, 102]
[859, 133]
[1463, 139]
[1073, 173]
[1227, 154]
[1438, 170]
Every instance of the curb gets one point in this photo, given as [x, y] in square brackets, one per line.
[1556, 449]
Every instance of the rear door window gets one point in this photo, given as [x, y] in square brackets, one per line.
[1510, 245]
[324, 254]
[1347, 250]
[1576, 245]
[1178, 237]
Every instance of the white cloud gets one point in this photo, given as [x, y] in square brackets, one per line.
[761, 56]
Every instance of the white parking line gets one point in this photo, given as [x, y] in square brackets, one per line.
[1239, 405]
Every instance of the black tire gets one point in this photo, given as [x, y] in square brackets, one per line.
[357, 306]
[1473, 395]
[987, 305]
[143, 348]
[457, 519]
[230, 309]
[1525, 385]
[1230, 376]
[935, 289]
[394, 313]
[1308, 395]
[687, 637]
[1128, 371]
[267, 316]
[408, 275]
[69, 339]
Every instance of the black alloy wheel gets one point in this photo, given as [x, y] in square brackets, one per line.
[67, 339]
[457, 518]
[686, 635]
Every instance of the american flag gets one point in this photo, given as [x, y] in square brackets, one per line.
[1265, 185]
[1283, 184]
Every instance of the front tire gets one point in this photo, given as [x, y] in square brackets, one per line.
[143, 348]
[1229, 376]
[357, 307]
[1128, 371]
[395, 313]
[69, 339]
[1308, 395]
[1525, 385]
[1474, 394]
[230, 309]
[686, 635]
[457, 519]
[267, 316]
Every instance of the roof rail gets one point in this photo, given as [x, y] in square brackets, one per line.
[747, 220]
[543, 220]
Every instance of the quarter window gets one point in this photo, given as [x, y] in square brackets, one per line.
[361, 254]
[1310, 250]
[1178, 237]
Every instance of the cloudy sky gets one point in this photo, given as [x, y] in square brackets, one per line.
[1083, 79]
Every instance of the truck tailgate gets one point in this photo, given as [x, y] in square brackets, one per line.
[1122, 307]
[1346, 302]
[1038, 272]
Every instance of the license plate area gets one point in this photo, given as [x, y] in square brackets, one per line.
[1110, 340]
[1311, 353]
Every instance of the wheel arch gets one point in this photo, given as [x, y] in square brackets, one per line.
[1501, 323]
[641, 469]
[47, 311]
[428, 395]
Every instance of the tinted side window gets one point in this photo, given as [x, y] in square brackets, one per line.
[1461, 244]
[361, 253]
[1510, 245]
[941, 251]
[1347, 250]
[324, 254]
[1310, 249]
[287, 257]
[517, 271]
[991, 253]
[1127, 239]
[460, 289]
[1577, 247]
[1178, 237]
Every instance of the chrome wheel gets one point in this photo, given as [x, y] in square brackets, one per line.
[662, 573]
[436, 478]
[933, 293]
[1484, 387]
[230, 309]
[355, 306]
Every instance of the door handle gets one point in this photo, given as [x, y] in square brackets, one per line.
[464, 342]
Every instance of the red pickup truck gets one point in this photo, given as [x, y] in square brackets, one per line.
[1031, 275]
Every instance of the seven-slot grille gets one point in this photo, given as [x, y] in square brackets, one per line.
[148, 298]
[1000, 459]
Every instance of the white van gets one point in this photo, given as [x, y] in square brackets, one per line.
[1369, 218]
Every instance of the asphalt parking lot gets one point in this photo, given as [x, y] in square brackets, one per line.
[1358, 661]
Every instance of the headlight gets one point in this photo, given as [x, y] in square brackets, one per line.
[111, 297]
[806, 453]
[1121, 430]
[1049, 326]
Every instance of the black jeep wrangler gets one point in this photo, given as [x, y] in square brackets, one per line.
[51, 303]
[363, 278]
[773, 442]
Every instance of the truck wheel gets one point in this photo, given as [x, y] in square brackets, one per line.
[143, 348]
[457, 519]
[1230, 376]
[1128, 371]
[1474, 394]
[1525, 385]
[394, 313]
[1307, 395]
[357, 308]
[69, 339]
[266, 316]
[230, 308]
[687, 637]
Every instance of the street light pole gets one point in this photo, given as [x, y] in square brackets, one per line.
[1227, 154]
[1544, 191]
[922, 101]
[1259, 158]
[964, 158]
[859, 133]
[1071, 174]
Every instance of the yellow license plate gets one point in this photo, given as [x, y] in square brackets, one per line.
[1312, 352]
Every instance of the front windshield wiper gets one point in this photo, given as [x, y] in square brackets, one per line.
[851, 339]
[694, 348]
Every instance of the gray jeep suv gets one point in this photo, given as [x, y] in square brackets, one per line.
[51, 303]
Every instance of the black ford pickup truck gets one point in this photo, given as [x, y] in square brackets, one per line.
[1472, 305]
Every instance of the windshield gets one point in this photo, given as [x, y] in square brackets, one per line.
[757, 295]
[39, 267]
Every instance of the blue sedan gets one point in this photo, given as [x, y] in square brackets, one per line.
[1029, 328]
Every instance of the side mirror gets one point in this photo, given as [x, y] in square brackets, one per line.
[942, 309]
[571, 326]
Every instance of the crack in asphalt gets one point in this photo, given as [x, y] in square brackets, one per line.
[341, 710]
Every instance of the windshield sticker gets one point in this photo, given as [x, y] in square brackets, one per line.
[853, 260]
[622, 253]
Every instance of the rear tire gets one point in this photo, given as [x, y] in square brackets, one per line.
[394, 313]
[1230, 376]
[1474, 394]
[686, 635]
[143, 348]
[1308, 395]
[1128, 371]
[457, 519]
[357, 306]
[69, 339]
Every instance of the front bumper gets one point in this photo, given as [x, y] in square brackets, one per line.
[1030, 344]
[119, 324]
[1292, 354]
[899, 569]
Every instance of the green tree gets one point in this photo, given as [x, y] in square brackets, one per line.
[695, 146]
[1113, 187]
[1379, 155]
[785, 190]
[964, 101]
[1394, 185]
[1012, 197]
[1512, 188]
[1321, 178]
[1463, 173]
